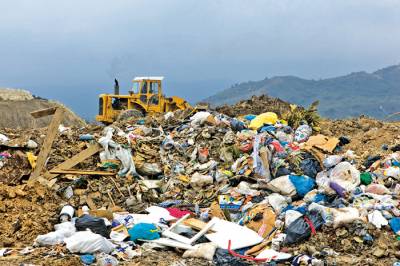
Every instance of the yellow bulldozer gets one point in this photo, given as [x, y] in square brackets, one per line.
[145, 98]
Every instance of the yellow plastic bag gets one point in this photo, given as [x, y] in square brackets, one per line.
[32, 159]
[264, 118]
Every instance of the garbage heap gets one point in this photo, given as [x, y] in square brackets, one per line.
[227, 190]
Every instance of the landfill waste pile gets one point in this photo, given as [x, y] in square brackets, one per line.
[202, 188]
[255, 105]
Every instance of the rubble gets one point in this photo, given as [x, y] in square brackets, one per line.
[202, 189]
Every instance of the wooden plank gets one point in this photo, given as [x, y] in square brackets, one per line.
[46, 146]
[43, 112]
[83, 155]
[80, 172]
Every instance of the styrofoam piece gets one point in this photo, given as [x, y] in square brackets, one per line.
[240, 236]
[170, 243]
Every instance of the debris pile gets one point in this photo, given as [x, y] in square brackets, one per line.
[200, 189]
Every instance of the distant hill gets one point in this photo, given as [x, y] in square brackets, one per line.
[374, 94]
[16, 105]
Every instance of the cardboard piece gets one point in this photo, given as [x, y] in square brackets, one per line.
[265, 225]
[327, 144]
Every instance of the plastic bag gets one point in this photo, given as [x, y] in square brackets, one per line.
[332, 160]
[204, 251]
[113, 150]
[395, 225]
[323, 182]
[96, 225]
[303, 184]
[300, 229]
[377, 189]
[198, 118]
[302, 133]
[61, 232]
[310, 167]
[376, 218]
[269, 118]
[223, 258]
[291, 216]
[3, 139]
[343, 216]
[345, 175]
[128, 166]
[106, 260]
[144, 231]
[277, 201]
[88, 242]
[282, 185]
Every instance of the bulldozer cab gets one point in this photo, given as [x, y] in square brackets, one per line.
[148, 91]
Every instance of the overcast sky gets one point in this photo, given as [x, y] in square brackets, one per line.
[71, 50]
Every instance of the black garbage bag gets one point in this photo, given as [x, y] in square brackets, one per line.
[223, 258]
[281, 171]
[371, 159]
[310, 165]
[96, 225]
[344, 140]
[300, 229]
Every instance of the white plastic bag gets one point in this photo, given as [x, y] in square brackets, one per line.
[282, 185]
[332, 160]
[61, 232]
[113, 150]
[322, 181]
[376, 218]
[88, 242]
[277, 201]
[345, 175]
[343, 216]
[198, 118]
[203, 250]
[291, 216]
[3, 139]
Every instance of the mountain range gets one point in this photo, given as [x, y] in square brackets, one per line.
[375, 94]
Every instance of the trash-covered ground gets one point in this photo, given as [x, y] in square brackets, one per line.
[204, 189]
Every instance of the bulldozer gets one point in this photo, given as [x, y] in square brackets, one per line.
[145, 98]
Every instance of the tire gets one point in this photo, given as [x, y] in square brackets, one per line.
[128, 114]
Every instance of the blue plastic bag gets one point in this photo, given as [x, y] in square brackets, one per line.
[249, 117]
[303, 184]
[395, 224]
[87, 259]
[144, 231]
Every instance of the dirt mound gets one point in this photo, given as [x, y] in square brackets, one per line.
[367, 135]
[256, 105]
[25, 212]
[16, 105]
